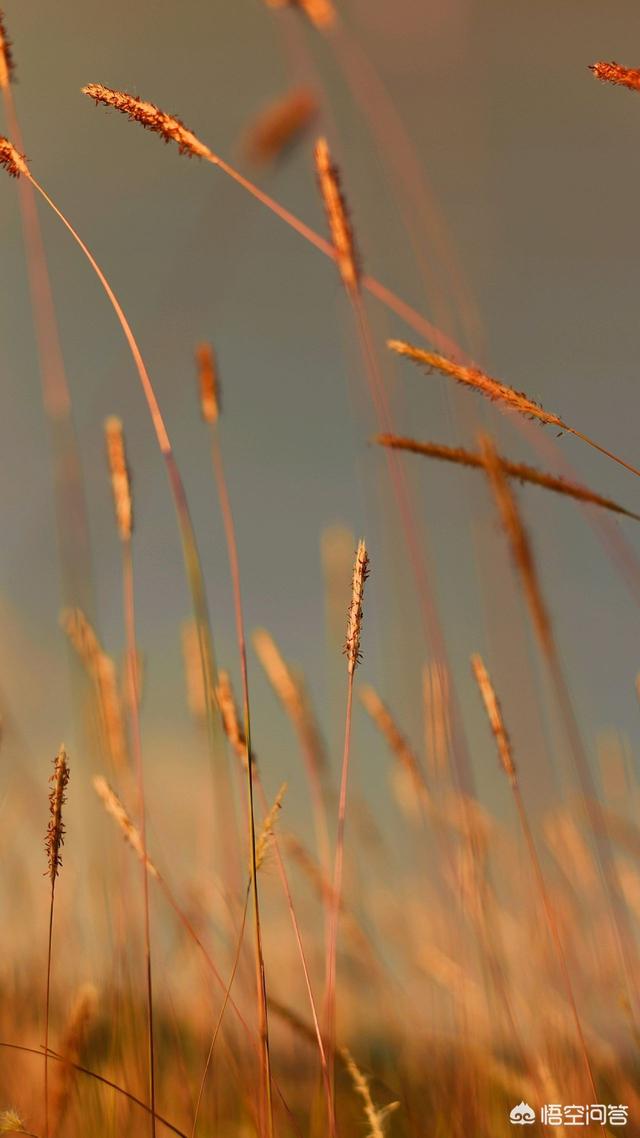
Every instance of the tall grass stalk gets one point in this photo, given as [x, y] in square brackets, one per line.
[121, 486]
[15, 164]
[352, 652]
[526, 568]
[211, 416]
[505, 752]
[53, 843]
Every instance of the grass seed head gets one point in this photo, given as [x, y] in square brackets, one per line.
[354, 620]
[518, 539]
[478, 380]
[291, 691]
[614, 73]
[120, 476]
[280, 125]
[229, 715]
[209, 382]
[11, 1122]
[82, 636]
[118, 812]
[518, 470]
[268, 826]
[170, 128]
[376, 1116]
[396, 741]
[337, 216]
[7, 65]
[494, 715]
[54, 839]
[13, 162]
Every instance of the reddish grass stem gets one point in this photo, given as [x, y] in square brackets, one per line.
[234, 565]
[352, 652]
[524, 560]
[189, 544]
[136, 740]
[102, 1079]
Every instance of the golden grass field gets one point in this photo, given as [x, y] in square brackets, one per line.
[216, 955]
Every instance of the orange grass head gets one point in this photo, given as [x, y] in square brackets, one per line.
[472, 377]
[11, 1122]
[354, 620]
[170, 128]
[120, 476]
[13, 162]
[7, 65]
[614, 73]
[54, 839]
[280, 125]
[337, 216]
[209, 382]
[494, 715]
[118, 812]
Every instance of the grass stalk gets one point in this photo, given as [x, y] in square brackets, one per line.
[352, 652]
[505, 752]
[525, 564]
[234, 566]
[53, 843]
[16, 166]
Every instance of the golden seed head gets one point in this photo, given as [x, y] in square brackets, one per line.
[118, 812]
[11, 1122]
[120, 476]
[279, 674]
[614, 73]
[291, 691]
[376, 1116]
[209, 382]
[266, 834]
[110, 709]
[354, 621]
[229, 715]
[478, 380]
[311, 869]
[82, 637]
[337, 216]
[494, 715]
[151, 117]
[519, 470]
[7, 66]
[13, 162]
[277, 127]
[517, 537]
[54, 839]
[397, 743]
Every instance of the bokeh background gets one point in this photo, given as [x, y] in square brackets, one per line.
[533, 172]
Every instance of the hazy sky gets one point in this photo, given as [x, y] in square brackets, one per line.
[534, 169]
